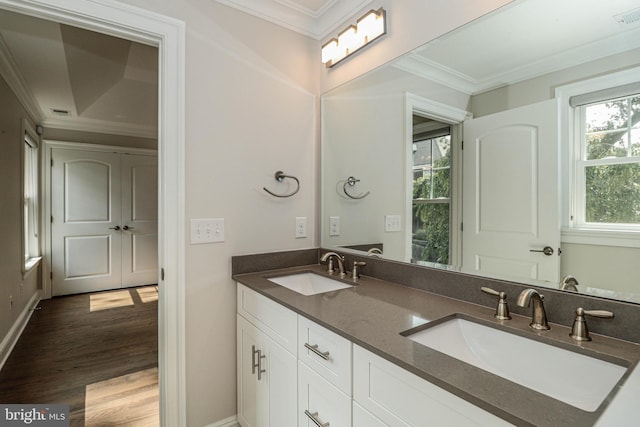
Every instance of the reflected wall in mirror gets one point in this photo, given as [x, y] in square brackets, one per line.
[518, 57]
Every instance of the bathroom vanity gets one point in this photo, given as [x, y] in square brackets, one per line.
[347, 358]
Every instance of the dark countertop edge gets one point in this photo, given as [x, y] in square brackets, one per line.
[253, 279]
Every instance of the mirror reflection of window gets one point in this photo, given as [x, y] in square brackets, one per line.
[431, 213]
[609, 163]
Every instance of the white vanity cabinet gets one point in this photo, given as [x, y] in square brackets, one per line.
[399, 398]
[267, 369]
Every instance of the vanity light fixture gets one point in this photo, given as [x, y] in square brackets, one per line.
[367, 29]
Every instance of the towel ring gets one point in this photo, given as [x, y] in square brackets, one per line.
[351, 181]
[280, 176]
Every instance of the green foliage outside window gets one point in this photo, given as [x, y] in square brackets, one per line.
[431, 220]
[612, 193]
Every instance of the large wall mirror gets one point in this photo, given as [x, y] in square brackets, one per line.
[506, 148]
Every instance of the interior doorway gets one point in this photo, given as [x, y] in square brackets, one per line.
[168, 35]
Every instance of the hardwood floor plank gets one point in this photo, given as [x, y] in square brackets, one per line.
[98, 353]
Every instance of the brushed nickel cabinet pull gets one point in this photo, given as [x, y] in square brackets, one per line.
[314, 348]
[314, 418]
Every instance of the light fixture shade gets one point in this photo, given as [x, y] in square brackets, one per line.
[371, 26]
[329, 50]
[368, 28]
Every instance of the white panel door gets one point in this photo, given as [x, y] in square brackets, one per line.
[139, 220]
[86, 210]
[510, 194]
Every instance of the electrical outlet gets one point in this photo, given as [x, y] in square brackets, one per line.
[301, 227]
[334, 226]
[208, 230]
[392, 223]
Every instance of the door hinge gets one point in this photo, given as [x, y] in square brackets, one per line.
[51, 219]
[51, 275]
[52, 162]
[162, 274]
[462, 226]
[462, 145]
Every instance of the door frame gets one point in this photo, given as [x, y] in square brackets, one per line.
[446, 114]
[168, 35]
[47, 194]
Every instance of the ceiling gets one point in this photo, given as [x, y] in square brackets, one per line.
[525, 39]
[71, 78]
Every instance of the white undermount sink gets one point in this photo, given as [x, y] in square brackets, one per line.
[573, 378]
[308, 283]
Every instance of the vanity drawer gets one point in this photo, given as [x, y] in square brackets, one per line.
[325, 352]
[275, 320]
[319, 399]
[400, 398]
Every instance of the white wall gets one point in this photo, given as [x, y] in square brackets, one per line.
[251, 107]
[11, 257]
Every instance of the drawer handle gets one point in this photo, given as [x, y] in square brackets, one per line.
[314, 418]
[314, 348]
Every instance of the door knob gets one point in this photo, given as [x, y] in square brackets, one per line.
[117, 227]
[126, 227]
[547, 250]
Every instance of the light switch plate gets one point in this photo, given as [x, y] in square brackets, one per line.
[207, 230]
[301, 227]
[392, 223]
[334, 226]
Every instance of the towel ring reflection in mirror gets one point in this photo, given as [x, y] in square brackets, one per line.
[351, 181]
[280, 176]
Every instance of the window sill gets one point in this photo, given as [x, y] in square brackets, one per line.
[585, 236]
[30, 266]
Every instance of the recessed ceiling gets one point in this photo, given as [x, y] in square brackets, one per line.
[313, 18]
[106, 84]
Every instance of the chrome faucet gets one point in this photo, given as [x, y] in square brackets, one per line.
[539, 317]
[329, 256]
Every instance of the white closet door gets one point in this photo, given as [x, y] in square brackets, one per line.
[139, 220]
[86, 209]
[510, 194]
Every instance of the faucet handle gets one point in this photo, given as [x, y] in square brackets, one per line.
[579, 331]
[502, 311]
[355, 273]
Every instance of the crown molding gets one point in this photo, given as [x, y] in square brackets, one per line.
[99, 126]
[316, 24]
[8, 70]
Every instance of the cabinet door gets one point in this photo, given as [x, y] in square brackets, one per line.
[267, 379]
[280, 380]
[319, 399]
[247, 340]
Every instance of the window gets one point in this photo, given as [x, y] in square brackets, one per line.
[30, 220]
[431, 192]
[607, 171]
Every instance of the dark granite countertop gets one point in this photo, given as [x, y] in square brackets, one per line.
[373, 313]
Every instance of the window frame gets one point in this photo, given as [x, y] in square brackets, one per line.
[572, 166]
[30, 212]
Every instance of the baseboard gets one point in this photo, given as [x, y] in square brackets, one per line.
[10, 340]
[227, 422]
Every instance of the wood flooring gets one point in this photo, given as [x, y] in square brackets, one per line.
[97, 353]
